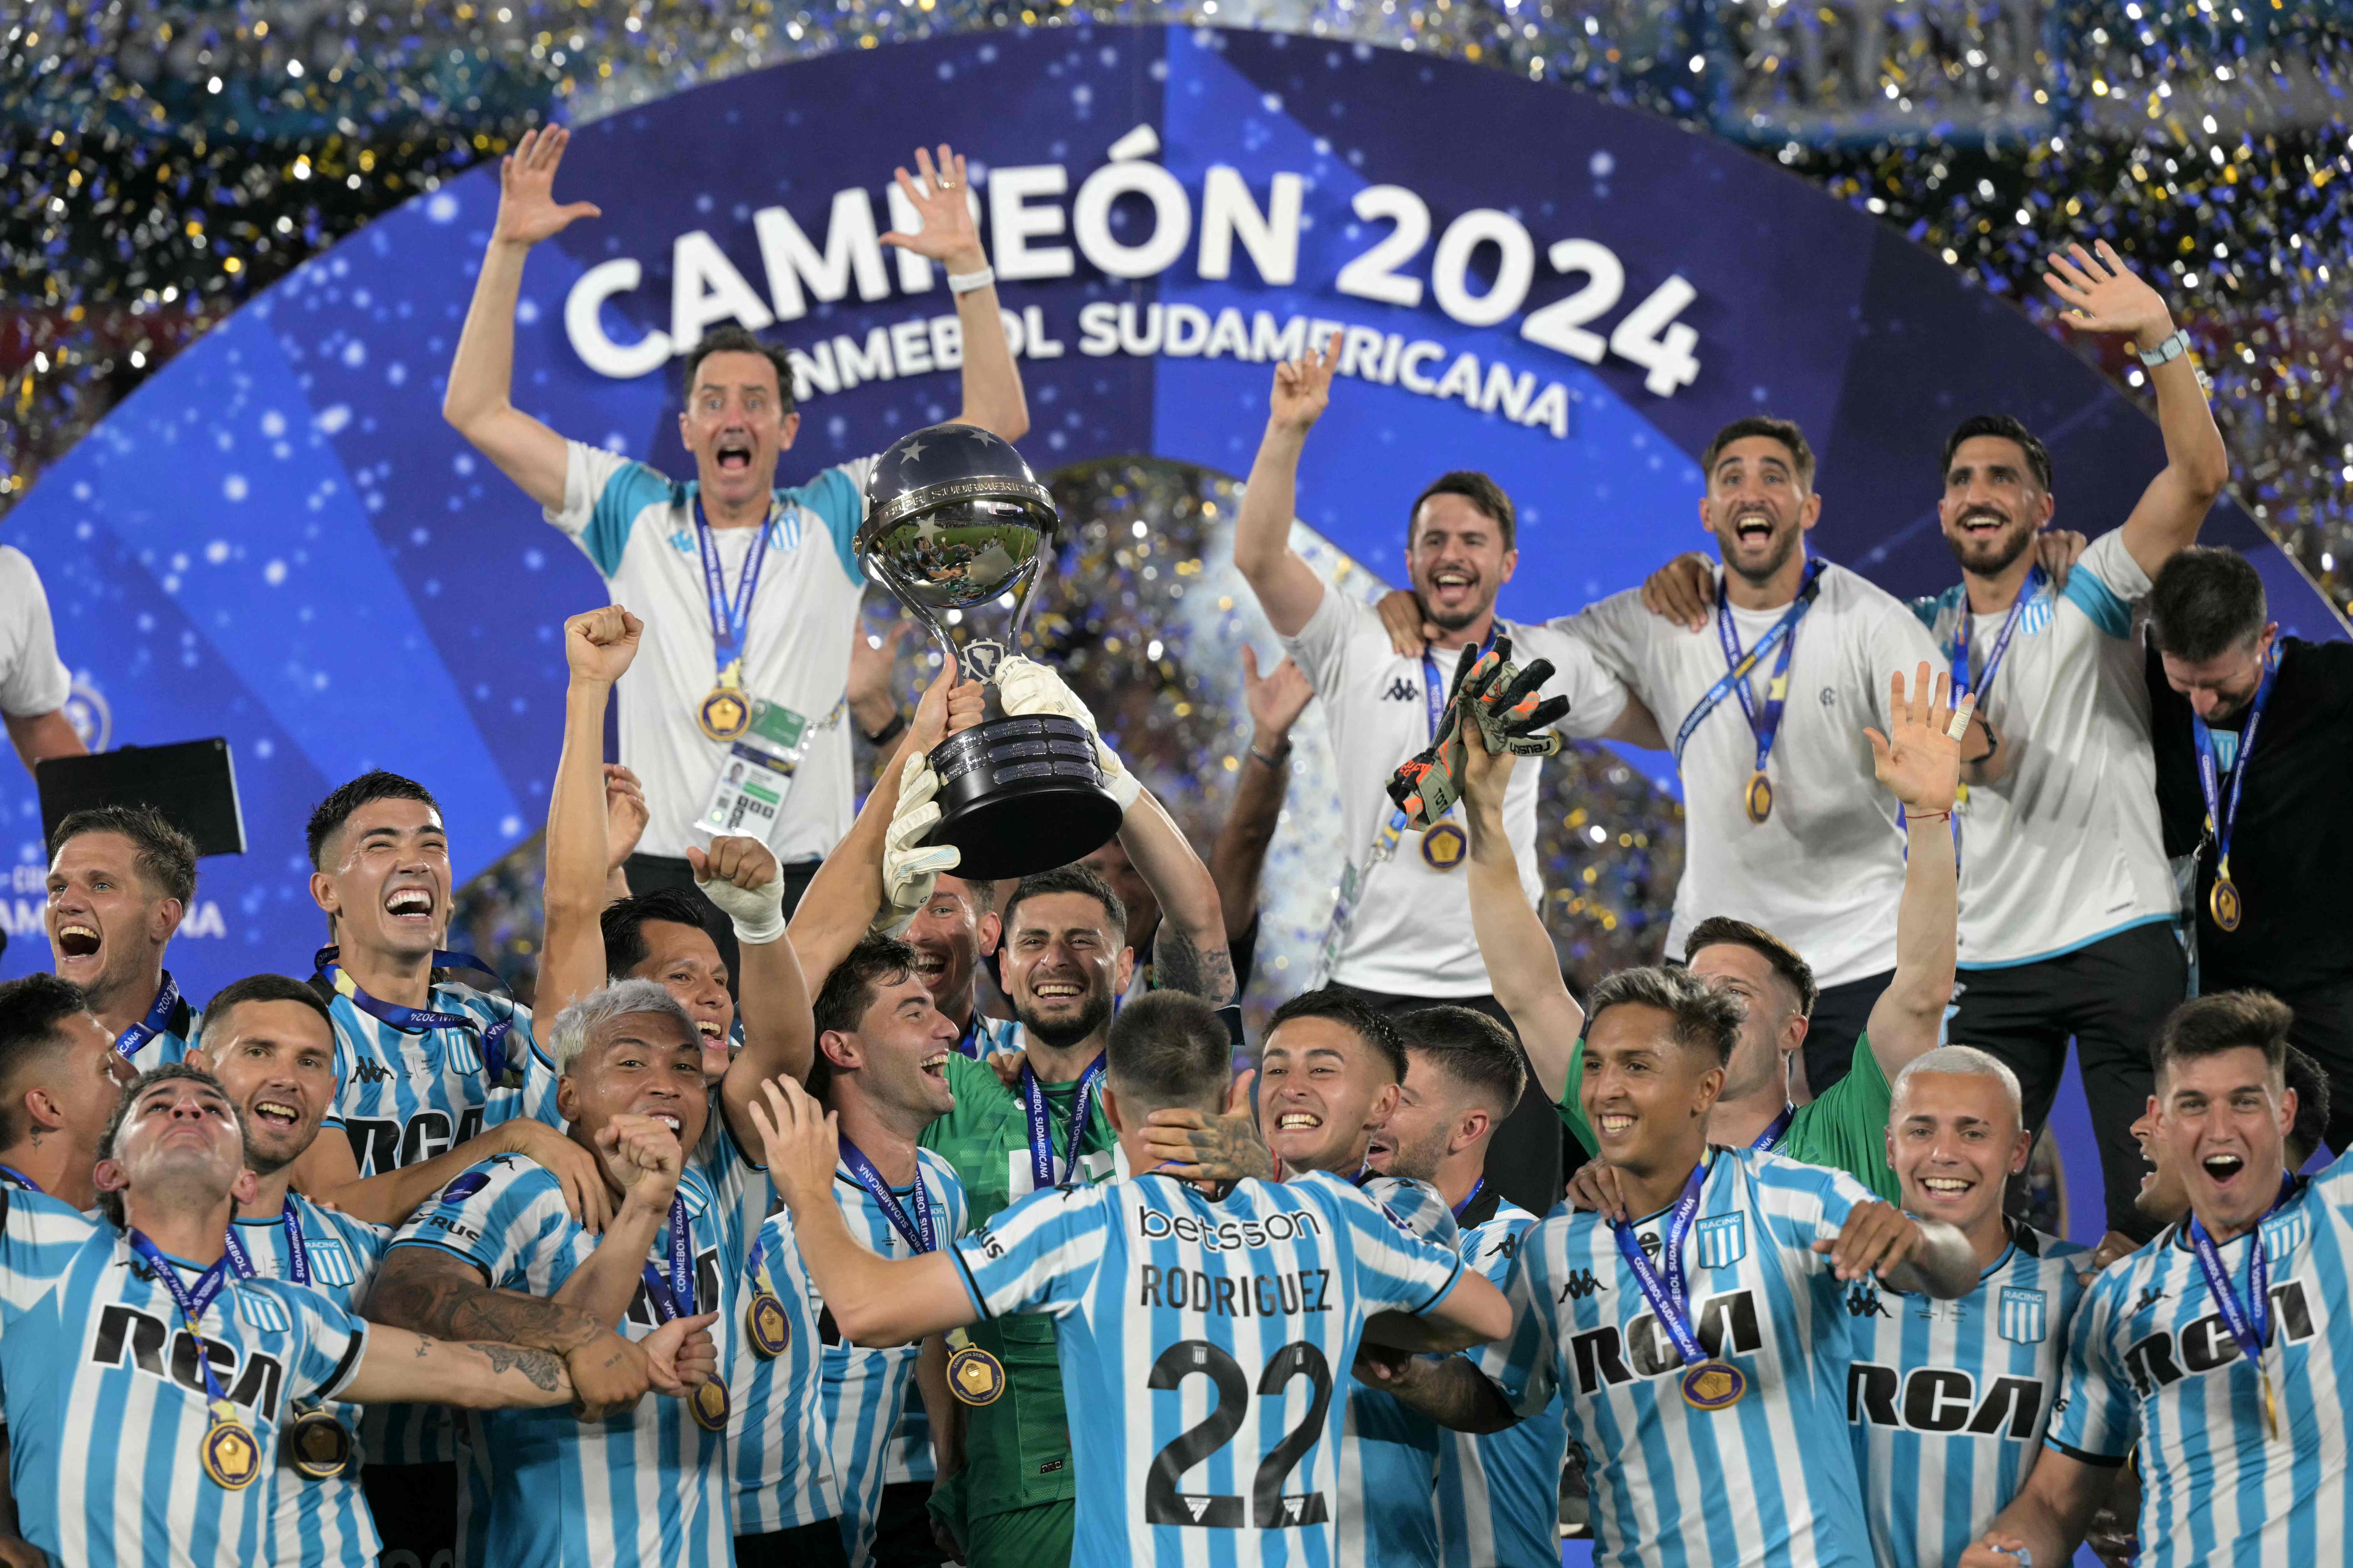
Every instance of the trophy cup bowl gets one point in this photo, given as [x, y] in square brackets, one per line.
[958, 530]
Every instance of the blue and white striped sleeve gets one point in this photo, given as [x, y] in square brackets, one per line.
[496, 1215]
[1041, 1255]
[1801, 1204]
[838, 498]
[1393, 1270]
[330, 1341]
[603, 494]
[39, 1237]
[2106, 582]
[2097, 1417]
[1526, 1362]
[1417, 1205]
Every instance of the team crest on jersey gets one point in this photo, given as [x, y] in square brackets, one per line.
[264, 1312]
[331, 1263]
[2037, 615]
[1721, 1242]
[2024, 1315]
[2283, 1234]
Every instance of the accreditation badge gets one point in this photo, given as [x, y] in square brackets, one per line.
[710, 1405]
[229, 1454]
[747, 796]
[975, 1376]
[318, 1446]
[1444, 846]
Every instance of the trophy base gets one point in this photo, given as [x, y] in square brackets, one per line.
[1019, 795]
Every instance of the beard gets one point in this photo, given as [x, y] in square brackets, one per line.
[1758, 576]
[1452, 620]
[1062, 1036]
[1989, 560]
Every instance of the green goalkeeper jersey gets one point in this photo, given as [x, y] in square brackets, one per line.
[1016, 1448]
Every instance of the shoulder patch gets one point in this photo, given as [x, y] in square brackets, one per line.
[465, 1185]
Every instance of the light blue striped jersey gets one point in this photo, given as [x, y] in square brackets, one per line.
[1499, 1493]
[170, 1044]
[783, 1466]
[401, 1099]
[1761, 1299]
[1388, 1454]
[866, 1388]
[1211, 1335]
[985, 1037]
[648, 1486]
[319, 1523]
[107, 1404]
[2151, 1359]
[1947, 1400]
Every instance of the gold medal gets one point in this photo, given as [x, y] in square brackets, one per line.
[710, 1405]
[2224, 903]
[769, 1332]
[1443, 844]
[725, 713]
[1761, 797]
[2271, 1404]
[975, 1376]
[318, 1446]
[1714, 1386]
[231, 1457]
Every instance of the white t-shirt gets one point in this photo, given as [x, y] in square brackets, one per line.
[2078, 810]
[1411, 931]
[1825, 870]
[32, 679]
[637, 527]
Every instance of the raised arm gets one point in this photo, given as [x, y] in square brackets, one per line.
[742, 877]
[599, 646]
[1287, 587]
[1920, 765]
[2048, 1517]
[481, 377]
[946, 234]
[1275, 701]
[1191, 953]
[1522, 966]
[2103, 295]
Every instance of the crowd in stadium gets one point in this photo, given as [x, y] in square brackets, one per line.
[830, 1207]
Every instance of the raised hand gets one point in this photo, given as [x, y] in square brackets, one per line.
[1486, 778]
[740, 875]
[871, 660]
[626, 815]
[1304, 386]
[1920, 764]
[939, 194]
[800, 1140]
[1275, 699]
[644, 1157]
[2103, 295]
[599, 644]
[910, 868]
[528, 210]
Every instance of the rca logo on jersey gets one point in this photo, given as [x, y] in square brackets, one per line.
[1942, 1399]
[1727, 1326]
[381, 1144]
[252, 1379]
[2161, 1359]
[1721, 1242]
[2022, 1315]
[1580, 1283]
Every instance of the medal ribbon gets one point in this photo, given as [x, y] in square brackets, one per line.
[1041, 1131]
[918, 1230]
[728, 617]
[424, 1020]
[298, 1252]
[158, 1016]
[2222, 812]
[1774, 1130]
[19, 1177]
[1666, 1296]
[2249, 1322]
[674, 1297]
[192, 1300]
[1962, 684]
[1471, 1197]
[1781, 634]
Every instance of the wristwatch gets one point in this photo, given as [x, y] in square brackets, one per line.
[2166, 353]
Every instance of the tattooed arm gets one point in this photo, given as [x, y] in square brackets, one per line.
[425, 1290]
[1448, 1389]
[396, 1366]
[1190, 953]
[1198, 1147]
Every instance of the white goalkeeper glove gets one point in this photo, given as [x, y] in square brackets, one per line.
[757, 912]
[1026, 686]
[910, 866]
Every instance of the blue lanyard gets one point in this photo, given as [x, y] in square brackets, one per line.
[1962, 684]
[298, 1250]
[158, 1016]
[424, 1020]
[674, 1297]
[728, 617]
[19, 1177]
[1667, 1297]
[2249, 1322]
[1471, 1197]
[1041, 1131]
[918, 1231]
[2222, 812]
[1781, 634]
[1773, 1131]
[192, 1300]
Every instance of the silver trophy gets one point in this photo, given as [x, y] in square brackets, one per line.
[958, 529]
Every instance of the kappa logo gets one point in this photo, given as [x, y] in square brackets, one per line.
[1862, 1302]
[1401, 690]
[2151, 1295]
[1580, 1283]
[373, 1072]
